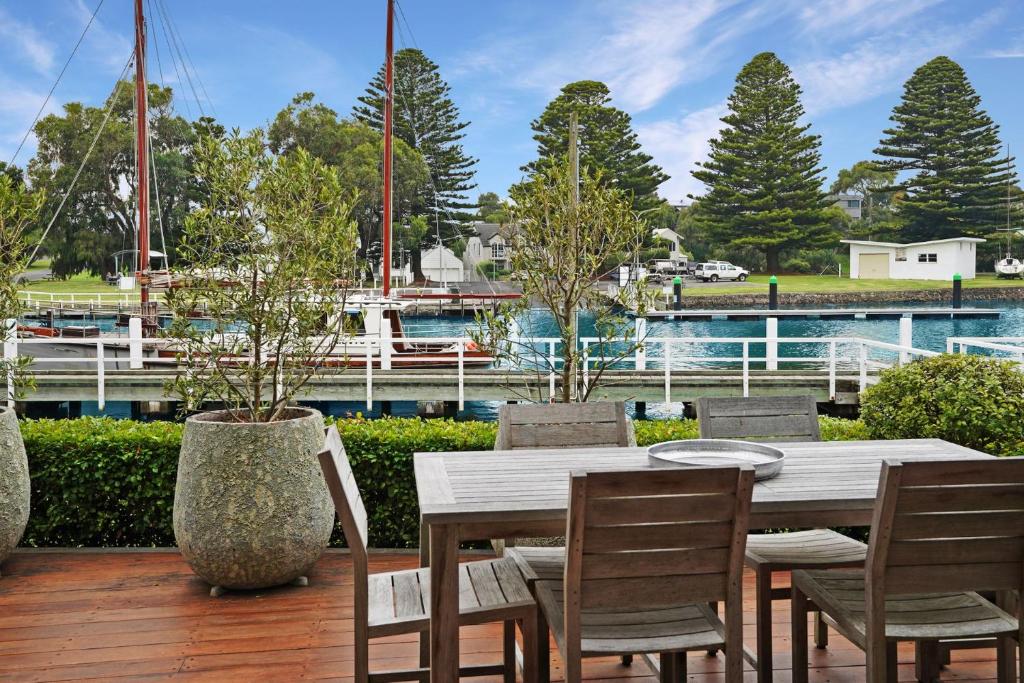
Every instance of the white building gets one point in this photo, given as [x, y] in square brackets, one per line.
[933, 260]
[489, 245]
[673, 241]
[852, 204]
[440, 264]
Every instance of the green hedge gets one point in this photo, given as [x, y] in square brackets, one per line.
[105, 482]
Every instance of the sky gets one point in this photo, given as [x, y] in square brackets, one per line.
[670, 63]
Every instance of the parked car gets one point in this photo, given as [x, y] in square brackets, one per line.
[713, 271]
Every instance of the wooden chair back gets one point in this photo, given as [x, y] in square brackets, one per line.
[759, 418]
[564, 425]
[947, 526]
[655, 538]
[348, 503]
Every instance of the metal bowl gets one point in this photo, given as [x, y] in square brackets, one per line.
[766, 460]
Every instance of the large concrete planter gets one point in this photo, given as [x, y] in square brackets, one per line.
[251, 508]
[15, 489]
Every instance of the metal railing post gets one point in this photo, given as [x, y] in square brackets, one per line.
[668, 371]
[906, 338]
[949, 344]
[832, 370]
[551, 375]
[369, 377]
[462, 375]
[586, 367]
[386, 345]
[746, 369]
[771, 346]
[135, 343]
[101, 389]
[863, 366]
[641, 351]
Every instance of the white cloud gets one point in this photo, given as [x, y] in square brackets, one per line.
[859, 16]
[677, 145]
[24, 41]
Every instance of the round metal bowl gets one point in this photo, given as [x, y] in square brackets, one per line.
[766, 460]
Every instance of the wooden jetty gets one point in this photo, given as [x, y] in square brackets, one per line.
[946, 313]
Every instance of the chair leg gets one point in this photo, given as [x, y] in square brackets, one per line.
[820, 631]
[627, 660]
[799, 635]
[681, 666]
[508, 650]
[531, 651]
[892, 662]
[763, 600]
[542, 644]
[713, 606]
[1006, 664]
[667, 662]
[926, 661]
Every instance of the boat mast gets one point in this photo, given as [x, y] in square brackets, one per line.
[389, 108]
[141, 152]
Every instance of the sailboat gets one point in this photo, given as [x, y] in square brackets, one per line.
[1008, 266]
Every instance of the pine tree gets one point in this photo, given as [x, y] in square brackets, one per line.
[428, 121]
[942, 133]
[607, 141]
[763, 175]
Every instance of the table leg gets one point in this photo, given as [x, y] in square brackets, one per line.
[444, 604]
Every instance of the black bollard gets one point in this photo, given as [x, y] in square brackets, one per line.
[641, 410]
[677, 293]
[958, 291]
[773, 293]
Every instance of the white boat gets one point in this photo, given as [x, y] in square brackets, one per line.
[1009, 267]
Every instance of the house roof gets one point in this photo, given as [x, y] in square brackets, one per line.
[869, 243]
[488, 231]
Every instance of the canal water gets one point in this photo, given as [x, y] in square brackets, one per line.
[930, 334]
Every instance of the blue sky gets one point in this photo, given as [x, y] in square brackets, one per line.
[669, 63]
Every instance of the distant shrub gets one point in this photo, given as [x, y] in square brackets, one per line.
[796, 265]
[974, 401]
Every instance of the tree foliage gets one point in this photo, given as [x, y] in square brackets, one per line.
[559, 248]
[948, 148]
[873, 185]
[269, 256]
[763, 175]
[354, 150]
[99, 216]
[428, 121]
[607, 142]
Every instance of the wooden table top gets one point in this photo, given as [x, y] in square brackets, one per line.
[829, 482]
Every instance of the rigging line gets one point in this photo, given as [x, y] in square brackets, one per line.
[174, 63]
[88, 153]
[177, 46]
[188, 57]
[46, 101]
[156, 48]
[401, 14]
[156, 193]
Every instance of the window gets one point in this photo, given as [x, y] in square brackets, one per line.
[901, 254]
[853, 203]
[498, 251]
[927, 258]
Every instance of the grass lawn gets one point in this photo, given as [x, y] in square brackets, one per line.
[78, 284]
[758, 284]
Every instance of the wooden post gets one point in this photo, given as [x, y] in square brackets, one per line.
[10, 339]
[640, 336]
[906, 337]
[771, 347]
[677, 293]
[958, 292]
[135, 343]
[773, 293]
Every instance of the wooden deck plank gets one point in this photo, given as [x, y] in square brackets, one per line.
[108, 616]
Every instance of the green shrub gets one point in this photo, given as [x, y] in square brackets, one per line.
[974, 401]
[796, 265]
[105, 482]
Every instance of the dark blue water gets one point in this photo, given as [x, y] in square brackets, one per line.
[927, 334]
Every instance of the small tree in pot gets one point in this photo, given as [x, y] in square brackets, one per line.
[18, 210]
[269, 254]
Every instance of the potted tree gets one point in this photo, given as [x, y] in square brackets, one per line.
[267, 258]
[18, 209]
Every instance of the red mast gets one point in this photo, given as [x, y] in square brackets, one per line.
[142, 151]
[389, 107]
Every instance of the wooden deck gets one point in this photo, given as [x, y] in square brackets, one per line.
[83, 615]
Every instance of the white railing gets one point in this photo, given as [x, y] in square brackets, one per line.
[35, 299]
[998, 346]
[677, 354]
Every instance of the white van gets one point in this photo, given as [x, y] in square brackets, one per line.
[713, 271]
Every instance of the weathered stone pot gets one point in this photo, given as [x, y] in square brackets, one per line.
[251, 508]
[15, 489]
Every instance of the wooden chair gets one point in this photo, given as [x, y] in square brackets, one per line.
[767, 419]
[941, 531]
[647, 550]
[557, 425]
[564, 425]
[393, 603]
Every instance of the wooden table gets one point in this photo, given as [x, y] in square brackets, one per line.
[478, 495]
